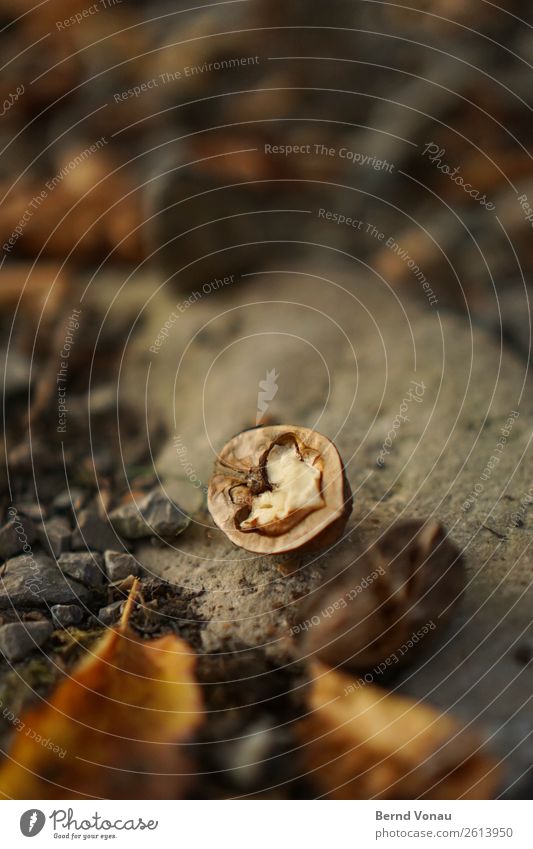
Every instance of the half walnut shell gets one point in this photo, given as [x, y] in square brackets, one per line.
[279, 489]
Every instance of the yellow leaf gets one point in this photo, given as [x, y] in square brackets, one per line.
[115, 728]
[360, 742]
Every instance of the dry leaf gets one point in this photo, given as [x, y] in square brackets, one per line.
[360, 742]
[36, 289]
[114, 728]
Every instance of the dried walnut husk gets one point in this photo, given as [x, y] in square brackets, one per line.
[377, 613]
[278, 489]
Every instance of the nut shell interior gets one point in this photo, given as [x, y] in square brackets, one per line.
[241, 479]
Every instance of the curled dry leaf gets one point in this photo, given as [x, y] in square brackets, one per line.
[360, 742]
[278, 489]
[113, 729]
[377, 614]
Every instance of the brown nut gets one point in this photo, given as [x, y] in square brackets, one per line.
[278, 489]
[377, 613]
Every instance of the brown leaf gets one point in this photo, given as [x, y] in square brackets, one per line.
[361, 742]
[114, 728]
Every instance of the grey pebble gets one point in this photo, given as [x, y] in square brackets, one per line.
[64, 615]
[111, 613]
[33, 580]
[120, 565]
[14, 535]
[85, 567]
[153, 515]
[18, 639]
[69, 500]
[92, 532]
[54, 535]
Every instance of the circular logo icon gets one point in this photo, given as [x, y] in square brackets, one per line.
[32, 822]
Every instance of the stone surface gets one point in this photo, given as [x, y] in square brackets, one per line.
[111, 613]
[33, 510]
[55, 535]
[70, 499]
[19, 639]
[37, 581]
[15, 373]
[154, 515]
[14, 535]
[120, 565]
[85, 567]
[65, 615]
[347, 349]
[92, 532]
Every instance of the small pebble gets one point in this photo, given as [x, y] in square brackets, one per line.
[15, 535]
[85, 567]
[19, 639]
[92, 532]
[120, 565]
[110, 614]
[54, 535]
[64, 615]
[153, 515]
[69, 500]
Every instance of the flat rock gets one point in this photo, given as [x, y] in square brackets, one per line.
[84, 567]
[37, 580]
[154, 515]
[19, 639]
[348, 352]
[120, 565]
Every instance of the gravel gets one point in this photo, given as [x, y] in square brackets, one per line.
[30, 581]
[85, 567]
[92, 532]
[154, 515]
[54, 536]
[111, 613]
[19, 639]
[65, 615]
[120, 565]
[14, 535]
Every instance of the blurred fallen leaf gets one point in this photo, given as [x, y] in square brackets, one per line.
[114, 728]
[360, 742]
[39, 289]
